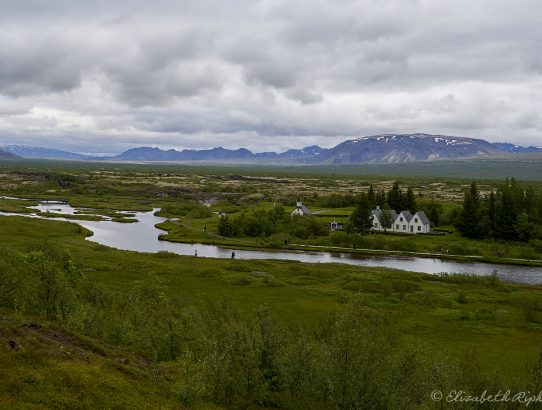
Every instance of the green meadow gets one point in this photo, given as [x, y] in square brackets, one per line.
[83, 325]
[498, 324]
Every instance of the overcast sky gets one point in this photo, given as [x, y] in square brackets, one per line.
[102, 75]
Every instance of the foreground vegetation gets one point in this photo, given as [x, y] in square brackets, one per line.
[86, 326]
[169, 331]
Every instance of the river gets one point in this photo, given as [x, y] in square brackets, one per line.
[143, 237]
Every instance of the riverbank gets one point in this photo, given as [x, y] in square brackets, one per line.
[145, 236]
[233, 244]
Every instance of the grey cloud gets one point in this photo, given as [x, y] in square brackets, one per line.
[31, 64]
[136, 72]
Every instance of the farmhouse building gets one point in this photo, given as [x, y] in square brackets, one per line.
[420, 223]
[403, 222]
[377, 219]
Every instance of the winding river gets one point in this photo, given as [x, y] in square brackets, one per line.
[143, 237]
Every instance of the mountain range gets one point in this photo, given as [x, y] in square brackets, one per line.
[40, 152]
[384, 148]
[7, 155]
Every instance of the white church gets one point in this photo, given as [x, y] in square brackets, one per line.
[403, 222]
[300, 209]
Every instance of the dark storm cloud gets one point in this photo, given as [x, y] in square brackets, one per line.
[104, 75]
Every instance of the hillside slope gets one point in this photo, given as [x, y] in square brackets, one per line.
[47, 367]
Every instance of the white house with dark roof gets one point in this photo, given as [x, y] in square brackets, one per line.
[377, 219]
[300, 209]
[403, 222]
[420, 223]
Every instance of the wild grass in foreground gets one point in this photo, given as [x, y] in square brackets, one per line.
[192, 332]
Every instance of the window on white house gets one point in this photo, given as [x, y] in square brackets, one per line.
[404, 227]
[397, 226]
[416, 220]
[419, 228]
[401, 219]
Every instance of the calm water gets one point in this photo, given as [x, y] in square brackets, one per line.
[143, 237]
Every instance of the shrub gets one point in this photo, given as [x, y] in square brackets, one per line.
[461, 297]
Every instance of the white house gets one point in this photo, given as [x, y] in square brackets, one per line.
[300, 209]
[420, 223]
[377, 219]
[403, 222]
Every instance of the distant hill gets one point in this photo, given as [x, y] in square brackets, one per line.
[384, 148]
[515, 149]
[214, 154]
[39, 152]
[7, 155]
[156, 154]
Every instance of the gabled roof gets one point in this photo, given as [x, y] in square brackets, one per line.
[378, 214]
[423, 217]
[304, 209]
[408, 216]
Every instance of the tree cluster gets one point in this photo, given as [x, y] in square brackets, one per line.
[512, 213]
[395, 198]
[266, 223]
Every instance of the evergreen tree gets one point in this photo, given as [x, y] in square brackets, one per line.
[517, 195]
[491, 214]
[506, 216]
[380, 199]
[371, 196]
[409, 201]
[360, 219]
[433, 212]
[523, 227]
[395, 198]
[486, 224]
[469, 216]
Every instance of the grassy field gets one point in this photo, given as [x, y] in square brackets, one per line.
[450, 314]
[524, 167]
[480, 325]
